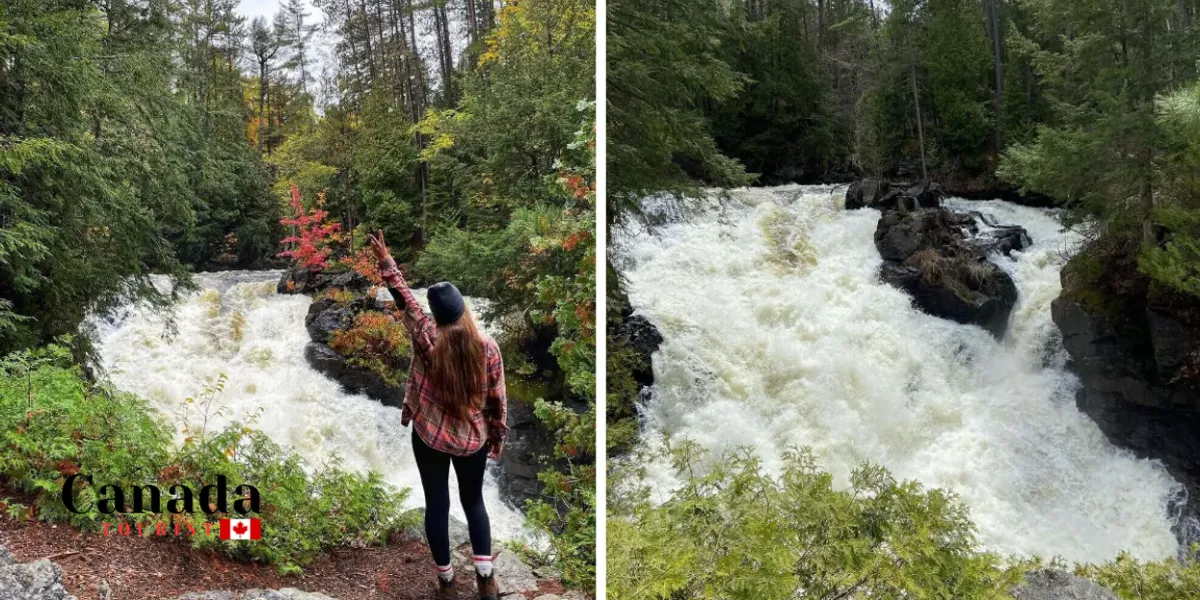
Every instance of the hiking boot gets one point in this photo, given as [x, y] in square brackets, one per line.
[445, 589]
[488, 588]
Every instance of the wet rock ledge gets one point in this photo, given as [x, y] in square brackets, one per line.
[938, 256]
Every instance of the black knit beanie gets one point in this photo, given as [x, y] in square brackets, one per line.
[446, 303]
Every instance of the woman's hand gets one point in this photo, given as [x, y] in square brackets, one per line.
[494, 448]
[379, 247]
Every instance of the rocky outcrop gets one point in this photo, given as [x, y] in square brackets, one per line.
[927, 252]
[305, 281]
[327, 316]
[353, 378]
[526, 452]
[38, 580]
[1138, 367]
[639, 334]
[883, 195]
[1052, 584]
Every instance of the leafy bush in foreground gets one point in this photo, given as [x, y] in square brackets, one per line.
[54, 424]
[732, 531]
[738, 532]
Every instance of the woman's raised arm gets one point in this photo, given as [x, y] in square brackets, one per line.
[420, 327]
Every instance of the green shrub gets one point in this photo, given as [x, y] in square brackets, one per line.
[54, 424]
[737, 532]
[568, 512]
[1134, 580]
[376, 342]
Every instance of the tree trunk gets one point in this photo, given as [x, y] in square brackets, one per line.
[1147, 201]
[262, 100]
[920, 125]
[992, 11]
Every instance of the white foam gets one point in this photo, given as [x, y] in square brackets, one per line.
[268, 376]
[778, 333]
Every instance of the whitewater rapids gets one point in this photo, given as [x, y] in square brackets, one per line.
[237, 325]
[778, 333]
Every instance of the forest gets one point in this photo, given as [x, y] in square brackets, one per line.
[149, 138]
[1090, 107]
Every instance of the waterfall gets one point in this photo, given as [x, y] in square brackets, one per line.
[778, 333]
[237, 325]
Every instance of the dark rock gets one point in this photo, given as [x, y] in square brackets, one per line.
[900, 234]
[865, 193]
[1175, 347]
[1131, 387]
[526, 452]
[643, 337]
[296, 281]
[926, 254]
[353, 378]
[987, 304]
[1052, 584]
[928, 194]
[326, 316]
[348, 279]
[304, 281]
[1002, 240]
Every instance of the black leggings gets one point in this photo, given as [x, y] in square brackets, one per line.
[435, 475]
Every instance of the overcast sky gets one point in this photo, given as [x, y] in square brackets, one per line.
[268, 8]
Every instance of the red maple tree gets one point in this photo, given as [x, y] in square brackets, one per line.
[313, 235]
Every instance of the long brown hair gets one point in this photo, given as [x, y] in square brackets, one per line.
[457, 372]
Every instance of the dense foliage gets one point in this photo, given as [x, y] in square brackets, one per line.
[121, 154]
[731, 530]
[54, 424]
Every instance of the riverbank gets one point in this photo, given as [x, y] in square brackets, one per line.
[149, 568]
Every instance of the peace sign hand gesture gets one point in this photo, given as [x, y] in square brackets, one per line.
[379, 247]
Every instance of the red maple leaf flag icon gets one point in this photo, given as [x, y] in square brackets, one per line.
[241, 529]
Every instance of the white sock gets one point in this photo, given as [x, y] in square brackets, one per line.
[445, 573]
[483, 565]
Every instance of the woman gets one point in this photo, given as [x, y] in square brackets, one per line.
[457, 404]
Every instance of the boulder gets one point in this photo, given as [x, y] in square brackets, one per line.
[326, 316]
[353, 378]
[305, 281]
[296, 281]
[1052, 584]
[927, 254]
[643, 337]
[529, 446]
[513, 574]
[883, 195]
[928, 194]
[38, 580]
[1002, 240]
[987, 304]
[900, 234]
[864, 193]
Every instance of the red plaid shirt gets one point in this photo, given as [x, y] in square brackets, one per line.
[438, 428]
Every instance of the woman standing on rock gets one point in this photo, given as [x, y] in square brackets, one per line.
[457, 405]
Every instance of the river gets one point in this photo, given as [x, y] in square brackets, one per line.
[237, 325]
[778, 333]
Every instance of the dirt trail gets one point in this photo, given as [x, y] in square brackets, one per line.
[147, 568]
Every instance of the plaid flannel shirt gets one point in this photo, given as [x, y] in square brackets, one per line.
[438, 428]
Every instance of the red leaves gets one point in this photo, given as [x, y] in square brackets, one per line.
[312, 244]
[574, 240]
